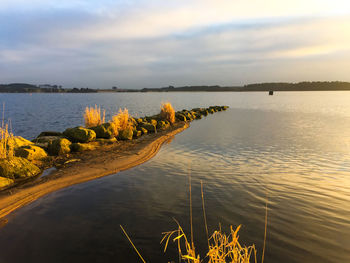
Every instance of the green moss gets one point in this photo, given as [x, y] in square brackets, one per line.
[18, 167]
[80, 134]
[105, 130]
[126, 134]
[4, 182]
[59, 146]
[31, 152]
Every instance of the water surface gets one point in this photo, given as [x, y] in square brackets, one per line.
[293, 147]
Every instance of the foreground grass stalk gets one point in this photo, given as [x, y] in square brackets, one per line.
[138, 253]
[92, 116]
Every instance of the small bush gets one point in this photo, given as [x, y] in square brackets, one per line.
[92, 116]
[121, 120]
[167, 112]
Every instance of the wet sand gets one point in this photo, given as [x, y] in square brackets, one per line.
[87, 166]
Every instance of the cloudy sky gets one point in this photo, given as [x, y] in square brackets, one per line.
[154, 43]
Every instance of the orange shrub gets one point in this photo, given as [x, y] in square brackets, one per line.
[92, 116]
[167, 112]
[6, 142]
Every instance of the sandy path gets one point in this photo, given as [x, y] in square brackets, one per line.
[103, 161]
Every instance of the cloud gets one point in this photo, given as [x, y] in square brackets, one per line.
[156, 43]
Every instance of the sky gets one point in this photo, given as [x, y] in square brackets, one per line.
[157, 43]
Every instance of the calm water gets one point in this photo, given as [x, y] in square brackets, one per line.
[293, 147]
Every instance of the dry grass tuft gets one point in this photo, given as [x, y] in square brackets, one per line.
[167, 112]
[221, 247]
[121, 120]
[7, 143]
[92, 116]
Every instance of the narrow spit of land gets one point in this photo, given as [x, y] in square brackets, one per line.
[103, 161]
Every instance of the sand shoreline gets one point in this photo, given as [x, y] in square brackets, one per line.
[103, 161]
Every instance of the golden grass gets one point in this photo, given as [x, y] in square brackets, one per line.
[6, 139]
[167, 112]
[6, 142]
[121, 120]
[92, 116]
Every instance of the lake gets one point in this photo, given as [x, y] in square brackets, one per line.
[293, 148]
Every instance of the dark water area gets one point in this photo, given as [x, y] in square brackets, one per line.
[292, 147]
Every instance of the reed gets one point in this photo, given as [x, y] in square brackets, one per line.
[167, 112]
[92, 116]
[7, 143]
[121, 120]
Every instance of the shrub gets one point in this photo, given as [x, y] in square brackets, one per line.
[121, 120]
[167, 112]
[92, 116]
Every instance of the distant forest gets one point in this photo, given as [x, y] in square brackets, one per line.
[282, 86]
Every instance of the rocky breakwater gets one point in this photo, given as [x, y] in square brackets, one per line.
[52, 148]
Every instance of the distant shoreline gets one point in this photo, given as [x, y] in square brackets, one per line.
[260, 87]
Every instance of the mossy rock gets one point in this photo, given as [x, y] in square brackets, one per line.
[197, 115]
[204, 112]
[50, 133]
[81, 147]
[31, 152]
[137, 133]
[149, 127]
[139, 120]
[18, 167]
[162, 125]
[44, 141]
[126, 134]
[102, 141]
[20, 141]
[211, 111]
[143, 130]
[225, 107]
[180, 117]
[105, 130]
[59, 146]
[80, 134]
[4, 182]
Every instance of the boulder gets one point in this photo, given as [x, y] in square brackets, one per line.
[204, 112]
[143, 130]
[50, 133]
[80, 134]
[105, 130]
[163, 125]
[211, 111]
[126, 134]
[19, 141]
[81, 147]
[4, 182]
[18, 167]
[224, 107]
[180, 117]
[44, 141]
[102, 141]
[30, 152]
[149, 127]
[137, 133]
[59, 146]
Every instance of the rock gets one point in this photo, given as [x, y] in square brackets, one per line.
[18, 167]
[149, 127]
[105, 130]
[137, 133]
[5, 182]
[162, 125]
[139, 120]
[180, 117]
[20, 141]
[30, 152]
[143, 130]
[224, 107]
[204, 112]
[126, 134]
[211, 111]
[80, 134]
[59, 146]
[102, 141]
[81, 147]
[44, 141]
[50, 133]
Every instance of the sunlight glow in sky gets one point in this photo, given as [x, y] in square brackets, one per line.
[153, 43]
